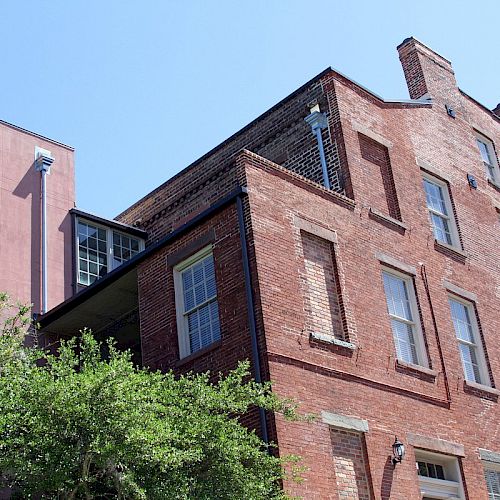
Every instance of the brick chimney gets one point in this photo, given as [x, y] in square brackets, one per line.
[427, 73]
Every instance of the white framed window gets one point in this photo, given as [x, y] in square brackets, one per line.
[403, 312]
[488, 156]
[440, 210]
[466, 327]
[196, 302]
[492, 477]
[439, 476]
[101, 249]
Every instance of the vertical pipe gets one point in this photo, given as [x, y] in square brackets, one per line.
[44, 241]
[251, 312]
[43, 162]
[326, 180]
[318, 121]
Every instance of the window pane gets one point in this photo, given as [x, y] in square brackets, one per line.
[469, 361]
[124, 248]
[493, 483]
[434, 196]
[461, 321]
[396, 293]
[485, 154]
[200, 303]
[441, 229]
[92, 253]
[404, 340]
[422, 469]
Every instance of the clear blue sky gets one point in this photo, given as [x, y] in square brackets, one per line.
[143, 88]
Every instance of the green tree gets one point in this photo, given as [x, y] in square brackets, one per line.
[76, 425]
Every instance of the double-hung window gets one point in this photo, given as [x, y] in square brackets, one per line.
[196, 302]
[440, 211]
[404, 316]
[101, 249]
[469, 341]
[492, 476]
[487, 152]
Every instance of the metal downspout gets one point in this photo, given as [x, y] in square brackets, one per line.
[251, 312]
[318, 122]
[42, 165]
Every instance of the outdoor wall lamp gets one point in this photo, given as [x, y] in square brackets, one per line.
[398, 451]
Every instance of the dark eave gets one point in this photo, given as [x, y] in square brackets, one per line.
[45, 320]
[403, 102]
[119, 226]
[229, 139]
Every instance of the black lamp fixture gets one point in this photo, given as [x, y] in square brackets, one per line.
[398, 451]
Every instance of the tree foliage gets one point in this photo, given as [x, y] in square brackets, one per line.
[77, 425]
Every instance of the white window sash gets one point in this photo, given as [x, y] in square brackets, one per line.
[110, 264]
[414, 324]
[476, 345]
[449, 217]
[181, 314]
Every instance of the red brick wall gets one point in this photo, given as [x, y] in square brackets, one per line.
[367, 382]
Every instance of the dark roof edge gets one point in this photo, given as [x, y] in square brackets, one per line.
[229, 139]
[55, 313]
[110, 222]
[490, 112]
[415, 102]
[34, 134]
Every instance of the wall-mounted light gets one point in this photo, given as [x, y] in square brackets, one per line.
[398, 451]
[472, 181]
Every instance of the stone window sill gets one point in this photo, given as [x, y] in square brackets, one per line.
[387, 220]
[450, 250]
[481, 388]
[198, 354]
[405, 366]
[329, 339]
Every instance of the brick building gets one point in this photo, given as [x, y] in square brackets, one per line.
[21, 216]
[349, 246]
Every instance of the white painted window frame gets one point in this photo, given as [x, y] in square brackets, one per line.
[418, 335]
[491, 466]
[440, 489]
[181, 315]
[492, 174]
[109, 245]
[478, 341]
[450, 216]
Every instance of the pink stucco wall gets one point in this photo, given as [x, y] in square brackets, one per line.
[20, 223]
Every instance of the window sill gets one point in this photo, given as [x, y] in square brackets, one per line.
[404, 365]
[481, 388]
[386, 220]
[494, 184]
[329, 339]
[450, 251]
[198, 354]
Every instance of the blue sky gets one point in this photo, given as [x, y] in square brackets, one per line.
[143, 88]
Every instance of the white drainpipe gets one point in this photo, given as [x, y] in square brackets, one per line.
[43, 161]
